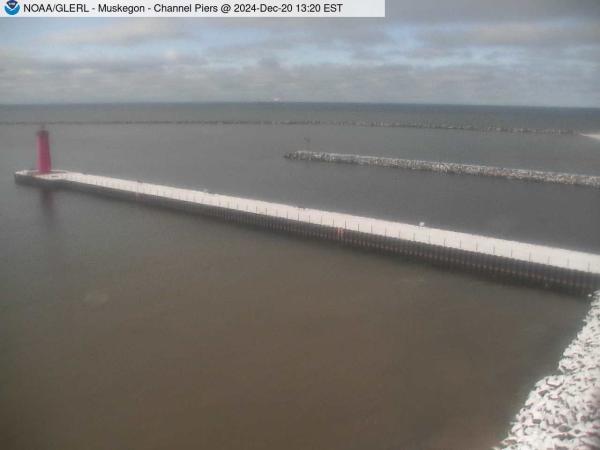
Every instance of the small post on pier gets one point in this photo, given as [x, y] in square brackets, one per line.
[43, 148]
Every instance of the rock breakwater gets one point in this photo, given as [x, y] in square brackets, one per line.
[450, 168]
[347, 123]
[563, 410]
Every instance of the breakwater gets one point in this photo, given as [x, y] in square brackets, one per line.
[342, 123]
[539, 265]
[563, 410]
[450, 168]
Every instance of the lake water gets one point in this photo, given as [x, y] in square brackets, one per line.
[126, 326]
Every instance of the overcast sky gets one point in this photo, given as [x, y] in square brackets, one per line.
[521, 52]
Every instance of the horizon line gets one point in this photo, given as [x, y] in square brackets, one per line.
[291, 102]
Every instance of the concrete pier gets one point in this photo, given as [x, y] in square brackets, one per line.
[541, 265]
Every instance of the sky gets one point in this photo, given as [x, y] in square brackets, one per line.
[509, 52]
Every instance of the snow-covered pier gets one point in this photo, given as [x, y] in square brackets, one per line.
[542, 265]
[452, 168]
[563, 410]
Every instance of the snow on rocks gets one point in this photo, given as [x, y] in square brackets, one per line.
[447, 167]
[563, 410]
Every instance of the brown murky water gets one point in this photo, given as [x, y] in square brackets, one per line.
[123, 326]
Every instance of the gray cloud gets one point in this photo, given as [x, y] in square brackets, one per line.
[538, 52]
[154, 80]
[467, 11]
[122, 32]
[517, 34]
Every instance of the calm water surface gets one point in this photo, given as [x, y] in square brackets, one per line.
[124, 326]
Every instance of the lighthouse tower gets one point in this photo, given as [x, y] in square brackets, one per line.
[43, 148]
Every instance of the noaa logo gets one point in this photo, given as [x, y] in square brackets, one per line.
[12, 7]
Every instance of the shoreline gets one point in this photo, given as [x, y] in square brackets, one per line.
[563, 409]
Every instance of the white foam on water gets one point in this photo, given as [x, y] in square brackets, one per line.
[592, 135]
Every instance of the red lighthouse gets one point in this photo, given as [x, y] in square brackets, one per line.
[43, 147]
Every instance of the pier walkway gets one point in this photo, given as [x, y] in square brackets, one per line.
[542, 264]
